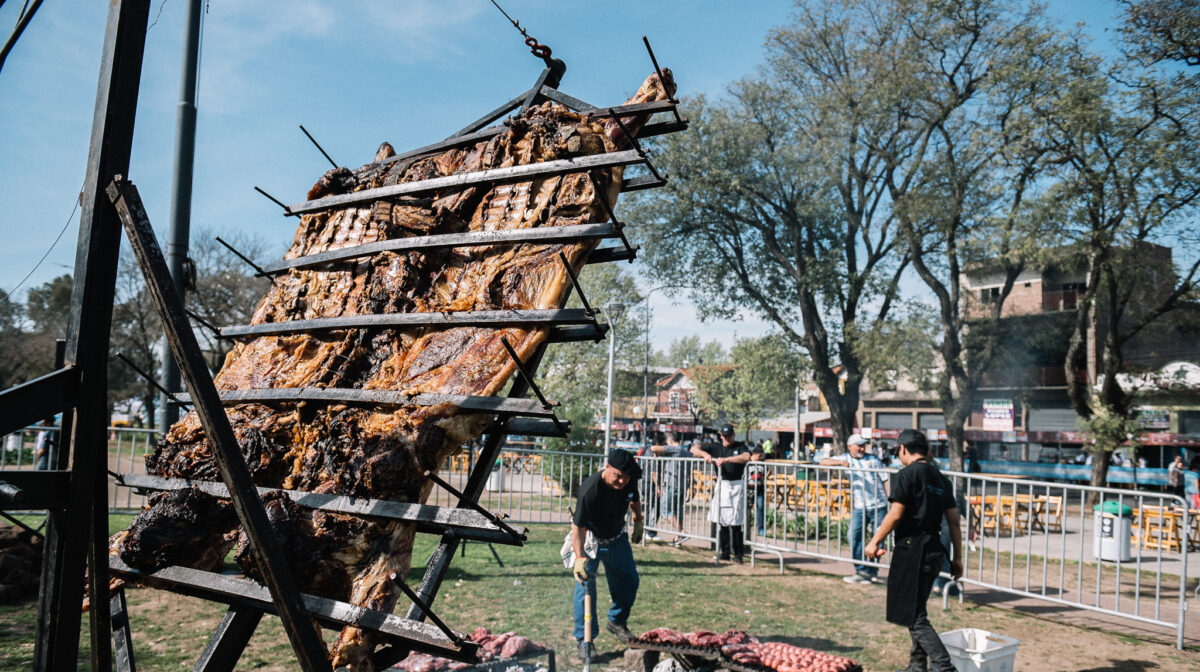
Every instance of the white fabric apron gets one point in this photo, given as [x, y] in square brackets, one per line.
[728, 505]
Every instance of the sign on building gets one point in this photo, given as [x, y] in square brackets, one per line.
[997, 415]
[1154, 418]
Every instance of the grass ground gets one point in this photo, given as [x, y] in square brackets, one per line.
[680, 588]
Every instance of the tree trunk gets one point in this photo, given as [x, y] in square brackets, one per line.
[956, 433]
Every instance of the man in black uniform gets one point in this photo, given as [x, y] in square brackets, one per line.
[604, 498]
[921, 496]
[728, 508]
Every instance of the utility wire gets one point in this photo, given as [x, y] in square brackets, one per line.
[9, 295]
[23, 20]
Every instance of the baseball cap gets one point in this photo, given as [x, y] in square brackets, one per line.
[623, 461]
[856, 440]
[727, 430]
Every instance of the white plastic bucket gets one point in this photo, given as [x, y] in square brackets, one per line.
[974, 650]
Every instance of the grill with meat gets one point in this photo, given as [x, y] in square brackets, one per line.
[371, 452]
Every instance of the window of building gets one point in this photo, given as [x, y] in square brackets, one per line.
[931, 421]
[893, 420]
[989, 294]
[673, 400]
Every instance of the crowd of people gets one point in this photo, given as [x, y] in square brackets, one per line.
[912, 504]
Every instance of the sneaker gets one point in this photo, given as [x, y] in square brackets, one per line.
[856, 578]
[739, 560]
[877, 580]
[619, 630]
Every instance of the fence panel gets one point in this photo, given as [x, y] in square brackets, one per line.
[1035, 539]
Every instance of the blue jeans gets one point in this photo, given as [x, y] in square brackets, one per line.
[622, 576]
[858, 520]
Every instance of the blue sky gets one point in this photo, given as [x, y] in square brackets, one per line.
[355, 73]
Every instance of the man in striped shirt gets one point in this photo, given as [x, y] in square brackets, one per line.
[868, 501]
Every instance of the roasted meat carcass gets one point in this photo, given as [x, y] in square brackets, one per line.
[383, 452]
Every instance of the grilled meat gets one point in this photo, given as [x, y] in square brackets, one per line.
[383, 453]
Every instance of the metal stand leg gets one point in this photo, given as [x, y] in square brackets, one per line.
[121, 633]
[229, 640]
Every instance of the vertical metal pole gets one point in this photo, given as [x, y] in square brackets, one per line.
[612, 347]
[646, 381]
[181, 196]
[68, 542]
[796, 439]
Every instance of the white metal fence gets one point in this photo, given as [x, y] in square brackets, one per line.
[1033, 539]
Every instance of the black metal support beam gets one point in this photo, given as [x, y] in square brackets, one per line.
[330, 613]
[305, 640]
[536, 427]
[539, 235]
[44, 490]
[229, 640]
[463, 139]
[642, 182]
[80, 532]
[439, 561]
[478, 318]
[603, 255]
[506, 175]
[467, 524]
[39, 398]
[466, 404]
[122, 635]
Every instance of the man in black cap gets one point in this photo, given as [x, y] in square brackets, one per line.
[921, 497]
[728, 508]
[604, 498]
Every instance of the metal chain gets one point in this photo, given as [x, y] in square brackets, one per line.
[540, 50]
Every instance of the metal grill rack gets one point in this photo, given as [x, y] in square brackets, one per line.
[73, 490]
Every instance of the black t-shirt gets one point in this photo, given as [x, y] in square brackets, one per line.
[601, 509]
[925, 494]
[730, 471]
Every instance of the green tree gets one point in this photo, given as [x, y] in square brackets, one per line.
[759, 380]
[576, 374]
[223, 288]
[1125, 141]
[1163, 31]
[778, 203]
[136, 330]
[25, 354]
[965, 191]
[690, 351]
[48, 306]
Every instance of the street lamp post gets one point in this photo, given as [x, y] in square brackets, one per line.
[646, 366]
[611, 311]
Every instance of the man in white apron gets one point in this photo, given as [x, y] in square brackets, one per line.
[728, 506]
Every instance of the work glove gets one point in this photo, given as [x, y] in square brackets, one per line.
[638, 529]
[580, 571]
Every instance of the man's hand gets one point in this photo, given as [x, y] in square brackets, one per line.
[580, 571]
[956, 569]
[873, 551]
[639, 528]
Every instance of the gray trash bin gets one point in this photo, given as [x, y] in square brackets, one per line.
[495, 482]
[1113, 524]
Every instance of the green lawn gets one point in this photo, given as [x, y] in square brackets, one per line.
[680, 588]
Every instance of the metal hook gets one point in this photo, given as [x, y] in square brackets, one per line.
[318, 146]
[587, 307]
[286, 210]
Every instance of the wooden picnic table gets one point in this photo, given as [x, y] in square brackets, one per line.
[1161, 527]
[1009, 513]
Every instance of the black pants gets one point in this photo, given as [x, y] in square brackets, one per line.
[730, 535]
[928, 651]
